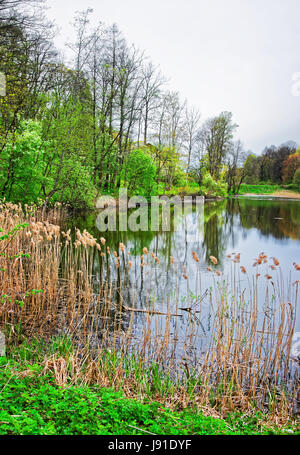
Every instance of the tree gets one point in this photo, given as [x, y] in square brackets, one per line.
[290, 166]
[251, 169]
[140, 174]
[216, 137]
[296, 179]
[192, 119]
[235, 170]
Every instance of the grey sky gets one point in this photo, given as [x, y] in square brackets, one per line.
[235, 55]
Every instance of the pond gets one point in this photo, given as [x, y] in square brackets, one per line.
[178, 279]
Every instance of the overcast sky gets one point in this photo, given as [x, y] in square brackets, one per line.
[234, 55]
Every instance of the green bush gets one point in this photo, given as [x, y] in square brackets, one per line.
[213, 188]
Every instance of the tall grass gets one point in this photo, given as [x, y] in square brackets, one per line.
[49, 287]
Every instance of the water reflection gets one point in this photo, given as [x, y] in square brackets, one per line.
[245, 226]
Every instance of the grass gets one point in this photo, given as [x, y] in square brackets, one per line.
[259, 188]
[31, 402]
[48, 288]
[264, 188]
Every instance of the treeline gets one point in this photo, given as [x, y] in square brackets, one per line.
[69, 132]
[278, 165]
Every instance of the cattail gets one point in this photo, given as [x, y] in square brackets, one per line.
[276, 262]
[195, 256]
[213, 260]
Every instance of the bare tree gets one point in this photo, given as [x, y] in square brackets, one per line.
[192, 119]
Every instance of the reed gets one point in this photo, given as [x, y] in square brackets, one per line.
[71, 286]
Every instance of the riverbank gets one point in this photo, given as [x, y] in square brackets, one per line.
[34, 402]
[282, 194]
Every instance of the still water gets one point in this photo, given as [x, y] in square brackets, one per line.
[245, 226]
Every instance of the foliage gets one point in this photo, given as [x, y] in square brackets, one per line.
[290, 166]
[33, 404]
[296, 179]
[141, 174]
[213, 188]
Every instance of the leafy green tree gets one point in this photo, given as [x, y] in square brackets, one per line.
[140, 174]
[22, 161]
[296, 179]
[252, 169]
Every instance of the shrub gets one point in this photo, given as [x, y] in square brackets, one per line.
[213, 188]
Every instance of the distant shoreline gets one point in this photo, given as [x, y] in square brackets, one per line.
[283, 194]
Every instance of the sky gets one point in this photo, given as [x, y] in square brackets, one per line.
[221, 55]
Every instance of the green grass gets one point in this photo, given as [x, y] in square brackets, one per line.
[31, 403]
[259, 188]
